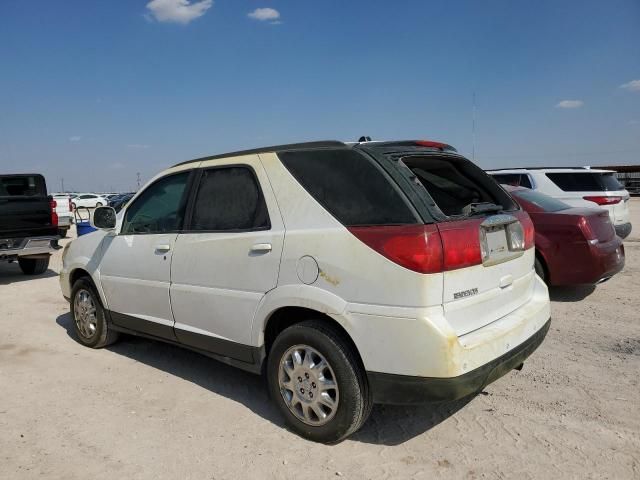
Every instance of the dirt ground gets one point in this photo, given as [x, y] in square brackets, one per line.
[142, 409]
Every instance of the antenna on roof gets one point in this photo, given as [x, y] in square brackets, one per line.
[364, 138]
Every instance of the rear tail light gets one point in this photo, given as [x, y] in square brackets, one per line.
[426, 248]
[461, 243]
[54, 215]
[442, 247]
[603, 200]
[416, 247]
[527, 227]
[70, 205]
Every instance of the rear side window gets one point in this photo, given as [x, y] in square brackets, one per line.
[513, 179]
[585, 181]
[229, 198]
[159, 208]
[540, 200]
[22, 186]
[349, 186]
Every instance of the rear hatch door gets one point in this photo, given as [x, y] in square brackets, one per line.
[488, 272]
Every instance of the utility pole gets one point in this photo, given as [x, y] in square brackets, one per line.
[473, 129]
[138, 175]
[62, 185]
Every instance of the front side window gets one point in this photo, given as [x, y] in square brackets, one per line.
[160, 208]
[229, 199]
[513, 179]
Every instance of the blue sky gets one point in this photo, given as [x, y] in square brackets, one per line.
[96, 91]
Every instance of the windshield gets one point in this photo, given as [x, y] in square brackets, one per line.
[540, 200]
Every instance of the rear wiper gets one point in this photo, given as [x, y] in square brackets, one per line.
[480, 208]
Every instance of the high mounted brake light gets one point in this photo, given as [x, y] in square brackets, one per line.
[430, 144]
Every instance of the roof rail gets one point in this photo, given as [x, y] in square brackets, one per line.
[274, 148]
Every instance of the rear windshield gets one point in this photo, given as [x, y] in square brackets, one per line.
[456, 183]
[22, 186]
[540, 200]
[349, 186]
[585, 181]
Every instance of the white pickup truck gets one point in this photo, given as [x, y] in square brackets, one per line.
[64, 211]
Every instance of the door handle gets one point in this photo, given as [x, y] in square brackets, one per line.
[163, 248]
[261, 248]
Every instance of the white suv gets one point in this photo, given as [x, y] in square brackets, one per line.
[391, 272]
[578, 187]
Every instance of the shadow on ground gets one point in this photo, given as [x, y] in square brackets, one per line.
[388, 425]
[11, 273]
[571, 294]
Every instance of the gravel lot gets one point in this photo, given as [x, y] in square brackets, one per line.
[142, 409]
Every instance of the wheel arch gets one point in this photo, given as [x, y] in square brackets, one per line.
[286, 316]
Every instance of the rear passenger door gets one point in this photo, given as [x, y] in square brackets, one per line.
[227, 258]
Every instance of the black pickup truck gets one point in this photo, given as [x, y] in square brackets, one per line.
[28, 222]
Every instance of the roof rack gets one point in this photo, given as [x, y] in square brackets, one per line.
[274, 148]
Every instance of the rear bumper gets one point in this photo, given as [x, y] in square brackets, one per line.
[31, 246]
[64, 221]
[590, 265]
[408, 390]
[623, 230]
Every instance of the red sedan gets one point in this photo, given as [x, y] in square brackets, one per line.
[573, 245]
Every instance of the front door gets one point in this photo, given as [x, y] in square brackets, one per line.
[136, 266]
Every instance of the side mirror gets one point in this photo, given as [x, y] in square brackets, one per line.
[104, 218]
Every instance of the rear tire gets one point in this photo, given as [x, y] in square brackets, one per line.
[33, 266]
[89, 318]
[342, 400]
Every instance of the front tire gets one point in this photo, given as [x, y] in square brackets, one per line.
[318, 383]
[33, 266]
[89, 319]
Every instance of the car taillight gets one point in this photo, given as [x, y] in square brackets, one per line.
[603, 200]
[426, 248]
[54, 215]
[70, 205]
[527, 226]
[416, 247]
[461, 243]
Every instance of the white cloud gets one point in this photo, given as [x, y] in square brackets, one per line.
[570, 104]
[178, 11]
[263, 14]
[75, 138]
[632, 86]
